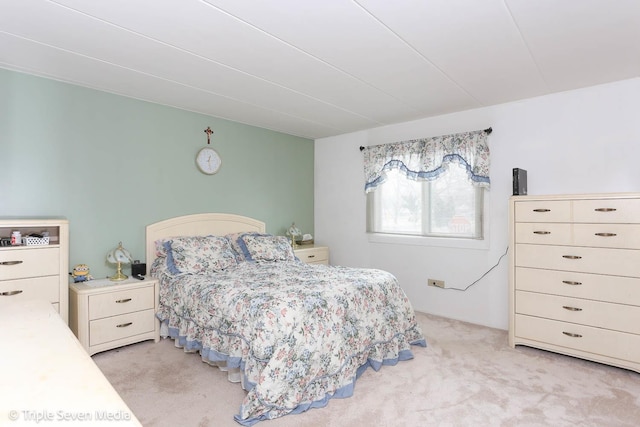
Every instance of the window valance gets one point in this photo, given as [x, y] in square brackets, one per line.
[427, 158]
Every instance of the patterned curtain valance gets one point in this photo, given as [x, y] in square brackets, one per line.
[427, 158]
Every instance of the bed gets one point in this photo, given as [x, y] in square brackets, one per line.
[293, 334]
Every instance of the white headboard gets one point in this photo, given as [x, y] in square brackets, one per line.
[206, 224]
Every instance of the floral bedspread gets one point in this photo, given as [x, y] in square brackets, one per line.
[300, 333]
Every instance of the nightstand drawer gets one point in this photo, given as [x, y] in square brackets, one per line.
[21, 263]
[46, 288]
[315, 255]
[115, 303]
[118, 327]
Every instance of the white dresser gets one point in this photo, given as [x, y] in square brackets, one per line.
[575, 275]
[39, 271]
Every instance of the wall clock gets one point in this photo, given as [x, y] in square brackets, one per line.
[208, 161]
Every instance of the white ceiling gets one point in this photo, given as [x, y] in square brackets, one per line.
[317, 68]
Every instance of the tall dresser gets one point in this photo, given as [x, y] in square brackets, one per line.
[39, 268]
[575, 276]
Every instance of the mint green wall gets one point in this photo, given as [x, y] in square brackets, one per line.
[111, 165]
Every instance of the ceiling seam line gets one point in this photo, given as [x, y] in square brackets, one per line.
[117, 93]
[228, 66]
[314, 57]
[164, 79]
[416, 51]
[526, 45]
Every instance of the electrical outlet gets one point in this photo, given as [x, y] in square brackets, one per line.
[436, 283]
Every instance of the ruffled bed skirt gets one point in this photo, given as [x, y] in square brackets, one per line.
[232, 353]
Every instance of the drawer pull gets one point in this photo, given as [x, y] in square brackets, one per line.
[541, 232]
[10, 293]
[572, 256]
[311, 256]
[605, 209]
[10, 262]
[569, 282]
[606, 234]
[542, 210]
[120, 301]
[566, 307]
[572, 335]
[124, 325]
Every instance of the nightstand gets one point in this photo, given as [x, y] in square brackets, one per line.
[104, 314]
[312, 254]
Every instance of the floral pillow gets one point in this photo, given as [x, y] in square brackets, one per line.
[261, 247]
[199, 254]
[161, 247]
[234, 240]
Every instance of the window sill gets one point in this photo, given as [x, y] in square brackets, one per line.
[446, 242]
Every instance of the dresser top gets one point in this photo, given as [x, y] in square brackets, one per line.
[585, 196]
[26, 221]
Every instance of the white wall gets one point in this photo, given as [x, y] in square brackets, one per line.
[582, 141]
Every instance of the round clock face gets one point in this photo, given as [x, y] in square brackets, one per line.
[208, 161]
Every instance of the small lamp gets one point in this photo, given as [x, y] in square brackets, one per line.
[293, 232]
[119, 256]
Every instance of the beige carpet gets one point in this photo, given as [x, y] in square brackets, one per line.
[467, 376]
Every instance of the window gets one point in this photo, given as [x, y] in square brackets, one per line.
[450, 206]
[429, 186]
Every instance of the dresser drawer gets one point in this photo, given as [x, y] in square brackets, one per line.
[618, 345]
[123, 326]
[319, 255]
[126, 301]
[21, 263]
[543, 211]
[544, 233]
[618, 317]
[623, 236]
[619, 262]
[616, 289]
[46, 288]
[607, 211]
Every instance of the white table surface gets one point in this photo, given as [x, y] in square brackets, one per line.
[47, 378]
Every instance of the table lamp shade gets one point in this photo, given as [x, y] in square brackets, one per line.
[119, 256]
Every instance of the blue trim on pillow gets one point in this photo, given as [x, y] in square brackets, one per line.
[171, 265]
[237, 240]
[243, 247]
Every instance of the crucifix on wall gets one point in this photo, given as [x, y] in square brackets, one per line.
[208, 131]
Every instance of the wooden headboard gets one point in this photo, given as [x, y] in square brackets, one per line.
[206, 224]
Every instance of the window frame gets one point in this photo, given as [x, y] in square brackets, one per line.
[433, 238]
